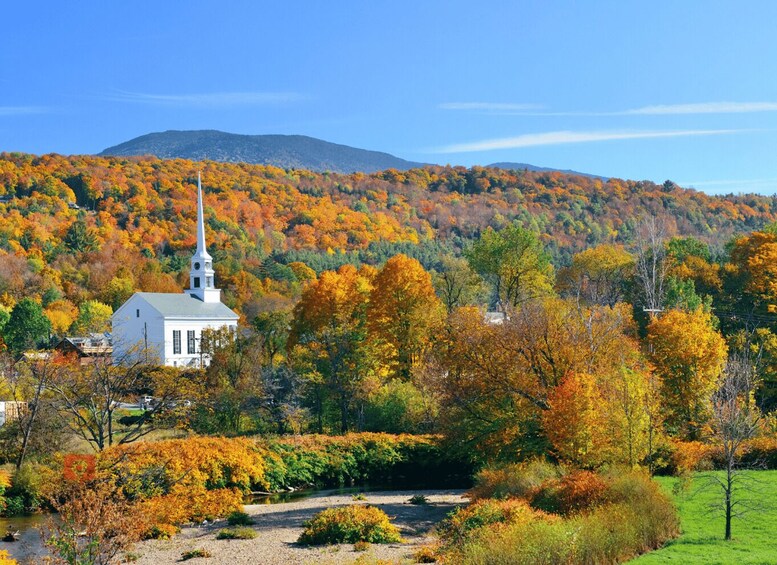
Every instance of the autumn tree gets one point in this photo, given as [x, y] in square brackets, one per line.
[689, 355]
[750, 276]
[403, 310]
[93, 317]
[513, 262]
[233, 380]
[598, 275]
[574, 421]
[329, 339]
[457, 284]
[495, 380]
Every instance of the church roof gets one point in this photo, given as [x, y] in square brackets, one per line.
[172, 305]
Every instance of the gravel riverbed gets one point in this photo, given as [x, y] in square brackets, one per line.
[279, 525]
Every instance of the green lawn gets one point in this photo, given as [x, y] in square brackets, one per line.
[755, 535]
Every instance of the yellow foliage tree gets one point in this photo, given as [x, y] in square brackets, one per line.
[598, 275]
[402, 313]
[689, 355]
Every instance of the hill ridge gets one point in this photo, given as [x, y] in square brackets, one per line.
[288, 151]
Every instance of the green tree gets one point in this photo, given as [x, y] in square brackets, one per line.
[514, 263]
[80, 238]
[27, 326]
[457, 284]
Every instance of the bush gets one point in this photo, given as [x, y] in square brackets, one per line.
[349, 524]
[194, 553]
[575, 492]
[236, 533]
[161, 531]
[418, 499]
[238, 518]
[515, 480]
[632, 516]
[463, 522]
[426, 554]
[29, 489]
[14, 506]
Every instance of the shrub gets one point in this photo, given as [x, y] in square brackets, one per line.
[418, 499]
[575, 492]
[14, 506]
[361, 546]
[161, 531]
[31, 486]
[463, 522]
[426, 554]
[349, 524]
[6, 559]
[515, 480]
[688, 456]
[633, 516]
[194, 553]
[359, 496]
[238, 518]
[236, 533]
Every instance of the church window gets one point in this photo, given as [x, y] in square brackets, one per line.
[137, 312]
[196, 282]
[196, 266]
[207, 264]
[190, 341]
[176, 342]
[209, 282]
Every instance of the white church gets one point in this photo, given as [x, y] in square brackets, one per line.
[169, 326]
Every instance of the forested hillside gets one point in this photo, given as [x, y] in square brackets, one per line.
[287, 151]
[81, 228]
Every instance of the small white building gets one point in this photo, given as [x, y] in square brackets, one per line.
[169, 326]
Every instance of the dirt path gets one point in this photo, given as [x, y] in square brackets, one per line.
[279, 525]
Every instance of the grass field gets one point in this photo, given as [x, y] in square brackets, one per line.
[755, 535]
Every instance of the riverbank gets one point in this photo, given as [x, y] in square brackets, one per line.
[279, 525]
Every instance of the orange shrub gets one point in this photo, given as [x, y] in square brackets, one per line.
[690, 456]
[575, 492]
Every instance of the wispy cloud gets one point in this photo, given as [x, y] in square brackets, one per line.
[207, 100]
[563, 137]
[21, 110]
[705, 108]
[655, 110]
[489, 106]
[729, 185]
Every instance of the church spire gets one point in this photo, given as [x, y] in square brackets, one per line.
[200, 221]
[201, 275]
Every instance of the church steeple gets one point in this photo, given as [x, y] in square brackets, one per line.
[201, 276]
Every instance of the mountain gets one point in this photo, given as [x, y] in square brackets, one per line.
[284, 151]
[535, 169]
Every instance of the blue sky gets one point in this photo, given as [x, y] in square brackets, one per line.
[656, 90]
